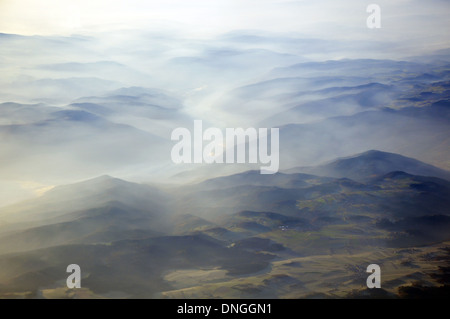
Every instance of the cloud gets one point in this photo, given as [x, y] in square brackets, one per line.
[401, 20]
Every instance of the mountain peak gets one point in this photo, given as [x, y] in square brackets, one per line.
[370, 154]
[103, 178]
[373, 163]
[104, 184]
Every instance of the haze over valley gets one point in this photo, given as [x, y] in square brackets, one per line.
[89, 98]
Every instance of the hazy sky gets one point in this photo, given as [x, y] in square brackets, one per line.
[401, 19]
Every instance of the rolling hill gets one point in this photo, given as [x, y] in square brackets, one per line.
[370, 164]
[250, 235]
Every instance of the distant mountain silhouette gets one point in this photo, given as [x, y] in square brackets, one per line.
[59, 203]
[370, 164]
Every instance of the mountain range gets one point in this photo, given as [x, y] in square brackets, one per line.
[87, 178]
[237, 231]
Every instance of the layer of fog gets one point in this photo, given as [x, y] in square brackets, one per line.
[106, 102]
